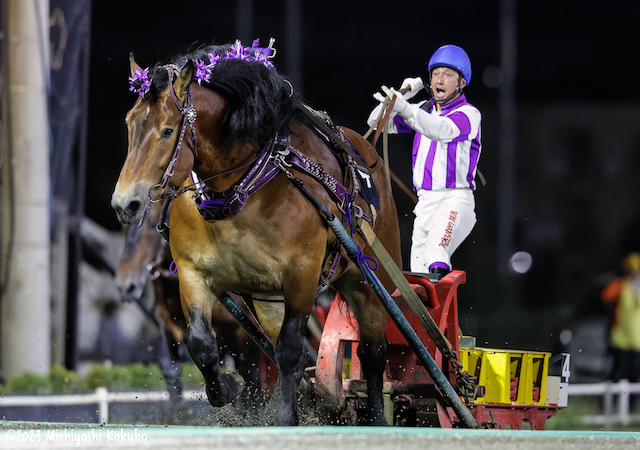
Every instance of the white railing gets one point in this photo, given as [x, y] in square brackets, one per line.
[100, 397]
[612, 413]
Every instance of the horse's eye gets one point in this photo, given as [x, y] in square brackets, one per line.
[167, 133]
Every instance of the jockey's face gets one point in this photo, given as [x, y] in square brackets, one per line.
[444, 82]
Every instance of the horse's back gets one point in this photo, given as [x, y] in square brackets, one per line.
[368, 152]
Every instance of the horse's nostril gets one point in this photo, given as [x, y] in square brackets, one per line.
[130, 288]
[133, 207]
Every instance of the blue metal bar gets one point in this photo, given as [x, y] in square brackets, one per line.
[252, 330]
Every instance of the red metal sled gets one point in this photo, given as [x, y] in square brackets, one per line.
[517, 380]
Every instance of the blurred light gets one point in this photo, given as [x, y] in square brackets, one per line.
[565, 336]
[521, 262]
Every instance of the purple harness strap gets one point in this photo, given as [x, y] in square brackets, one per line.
[316, 171]
[225, 205]
[275, 158]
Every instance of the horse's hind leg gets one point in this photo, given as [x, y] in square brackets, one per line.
[291, 361]
[372, 350]
[248, 363]
[372, 353]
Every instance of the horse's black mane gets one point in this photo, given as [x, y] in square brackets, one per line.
[261, 101]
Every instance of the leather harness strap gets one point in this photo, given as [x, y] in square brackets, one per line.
[334, 135]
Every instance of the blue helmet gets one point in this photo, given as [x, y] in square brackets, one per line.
[453, 57]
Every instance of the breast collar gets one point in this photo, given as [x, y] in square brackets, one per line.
[277, 156]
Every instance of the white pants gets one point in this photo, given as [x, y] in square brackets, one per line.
[444, 219]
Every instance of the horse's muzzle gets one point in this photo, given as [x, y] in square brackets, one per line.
[128, 210]
[130, 291]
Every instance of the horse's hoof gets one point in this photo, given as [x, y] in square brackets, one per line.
[239, 381]
[230, 387]
[174, 387]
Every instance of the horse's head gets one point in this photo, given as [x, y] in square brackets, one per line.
[241, 101]
[143, 251]
[154, 127]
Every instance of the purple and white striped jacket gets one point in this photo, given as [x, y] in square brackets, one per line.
[446, 146]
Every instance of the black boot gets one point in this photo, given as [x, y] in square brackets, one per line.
[440, 271]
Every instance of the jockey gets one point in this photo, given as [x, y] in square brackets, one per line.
[445, 154]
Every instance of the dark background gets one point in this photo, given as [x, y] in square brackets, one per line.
[577, 111]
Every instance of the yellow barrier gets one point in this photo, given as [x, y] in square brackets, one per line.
[508, 376]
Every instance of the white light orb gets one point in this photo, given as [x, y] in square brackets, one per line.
[521, 262]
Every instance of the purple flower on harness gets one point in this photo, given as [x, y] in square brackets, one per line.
[140, 81]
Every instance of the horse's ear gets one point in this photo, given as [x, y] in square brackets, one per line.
[132, 63]
[183, 81]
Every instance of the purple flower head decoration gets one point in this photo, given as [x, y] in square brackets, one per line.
[237, 52]
[262, 55]
[140, 81]
[264, 59]
[203, 71]
[215, 59]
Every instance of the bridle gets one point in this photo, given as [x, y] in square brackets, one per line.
[189, 115]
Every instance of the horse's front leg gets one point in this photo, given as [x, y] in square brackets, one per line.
[169, 364]
[197, 301]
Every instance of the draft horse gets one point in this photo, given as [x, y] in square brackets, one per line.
[272, 246]
[143, 268]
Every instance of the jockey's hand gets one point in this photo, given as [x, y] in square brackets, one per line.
[414, 85]
[378, 96]
[400, 103]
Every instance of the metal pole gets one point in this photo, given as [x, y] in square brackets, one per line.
[103, 405]
[254, 333]
[623, 401]
[76, 211]
[25, 326]
[507, 165]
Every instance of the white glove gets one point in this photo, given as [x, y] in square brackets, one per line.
[400, 103]
[414, 85]
[378, 96]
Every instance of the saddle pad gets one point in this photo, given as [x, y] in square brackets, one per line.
[367, 188]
